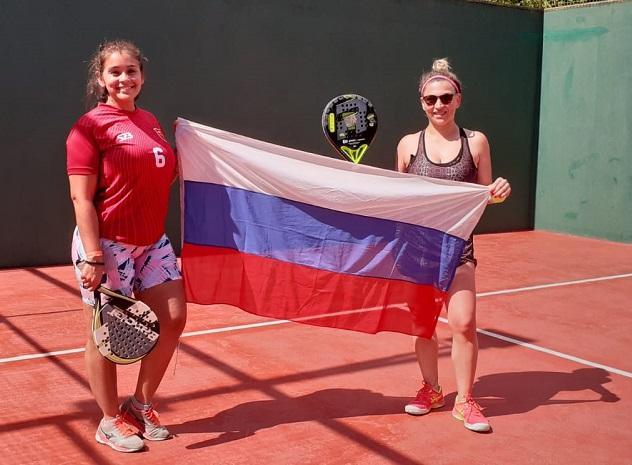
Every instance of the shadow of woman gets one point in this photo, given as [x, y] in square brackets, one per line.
[246, 419]
[523, 391]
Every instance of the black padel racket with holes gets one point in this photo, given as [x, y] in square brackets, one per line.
[350, 123]
[124, 329]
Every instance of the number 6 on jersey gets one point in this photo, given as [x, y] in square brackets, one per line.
[159, 155]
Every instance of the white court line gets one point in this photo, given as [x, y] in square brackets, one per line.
[21, 358]
[528, 345]
[443, 320]
[223, 329]
[563, 283]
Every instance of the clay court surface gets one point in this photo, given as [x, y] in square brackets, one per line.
[554, 374]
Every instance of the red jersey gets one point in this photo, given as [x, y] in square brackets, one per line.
[135, 166]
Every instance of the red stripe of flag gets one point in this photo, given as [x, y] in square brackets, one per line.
[276, 289]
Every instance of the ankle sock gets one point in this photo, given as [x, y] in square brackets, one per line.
[139, 405]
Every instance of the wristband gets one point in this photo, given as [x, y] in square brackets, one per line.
[94, 263]
[93, 255]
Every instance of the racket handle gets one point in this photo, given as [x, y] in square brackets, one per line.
[97, 298]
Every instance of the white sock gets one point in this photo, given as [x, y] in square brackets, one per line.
[108, 421]
[139, 405]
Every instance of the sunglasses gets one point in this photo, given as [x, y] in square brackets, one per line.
[432, 99]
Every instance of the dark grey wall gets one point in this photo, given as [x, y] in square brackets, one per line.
[262, 69]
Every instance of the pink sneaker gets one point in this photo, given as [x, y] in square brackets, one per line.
[427, 399]
[146, 421]
[469, 412]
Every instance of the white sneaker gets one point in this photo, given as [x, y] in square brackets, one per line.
[119, 435]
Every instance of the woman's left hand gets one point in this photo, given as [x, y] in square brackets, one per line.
[499, 190]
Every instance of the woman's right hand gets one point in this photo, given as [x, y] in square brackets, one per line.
[91, 274]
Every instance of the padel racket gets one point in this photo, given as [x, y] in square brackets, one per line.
[349, 122]
[124, 329]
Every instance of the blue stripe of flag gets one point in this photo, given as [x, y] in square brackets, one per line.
[322, 238]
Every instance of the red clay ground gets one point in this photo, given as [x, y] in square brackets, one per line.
[286, 393]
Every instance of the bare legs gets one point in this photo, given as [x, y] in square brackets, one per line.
[427, 352]
[101, 373]
[461, 308]
[167, 301]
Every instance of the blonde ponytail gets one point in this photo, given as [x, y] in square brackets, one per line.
[441, 69]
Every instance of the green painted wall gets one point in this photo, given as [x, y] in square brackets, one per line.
[584, 181]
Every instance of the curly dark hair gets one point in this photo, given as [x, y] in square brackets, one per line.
[95, 93]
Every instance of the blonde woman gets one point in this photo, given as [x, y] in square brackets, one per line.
[446, 151]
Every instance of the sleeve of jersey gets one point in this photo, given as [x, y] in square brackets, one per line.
[82, 153]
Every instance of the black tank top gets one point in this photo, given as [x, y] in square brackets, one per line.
[462, 168]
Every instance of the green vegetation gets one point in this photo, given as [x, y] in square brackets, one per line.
[538, 4]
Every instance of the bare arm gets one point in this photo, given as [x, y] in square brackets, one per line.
[406, 147]
[482, 158]
[82, 190]
[500, 188]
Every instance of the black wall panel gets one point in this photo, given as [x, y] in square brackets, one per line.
[262, 69]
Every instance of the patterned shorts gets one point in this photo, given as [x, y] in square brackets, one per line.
[468, 253]
[129, 268]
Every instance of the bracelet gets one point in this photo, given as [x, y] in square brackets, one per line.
[94, 263]
[94, 254]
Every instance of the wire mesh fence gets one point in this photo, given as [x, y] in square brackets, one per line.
[540, 4]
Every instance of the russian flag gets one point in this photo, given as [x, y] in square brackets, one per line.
[293, 235]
